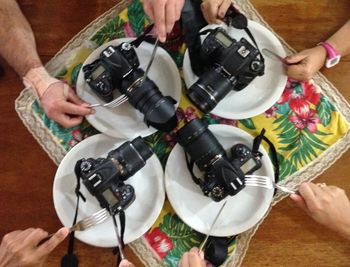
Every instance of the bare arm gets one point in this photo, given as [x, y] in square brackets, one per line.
[18, 48]
[17, 40]
[303, 65]
[341, 39]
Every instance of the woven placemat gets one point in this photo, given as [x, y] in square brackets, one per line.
[41, 128]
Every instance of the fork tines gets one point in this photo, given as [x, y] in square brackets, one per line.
[116, 102]
[91, 220]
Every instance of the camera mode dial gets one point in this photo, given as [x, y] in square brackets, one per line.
[86, 166]
[256, 66]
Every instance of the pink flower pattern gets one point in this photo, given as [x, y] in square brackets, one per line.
[307, 120]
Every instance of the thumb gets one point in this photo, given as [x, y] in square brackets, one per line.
[296, 58]
[53, 242]
[299, 201]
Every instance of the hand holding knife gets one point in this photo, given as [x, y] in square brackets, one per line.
[211, 227]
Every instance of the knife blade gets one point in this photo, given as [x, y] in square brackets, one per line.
[211, 227]
[272, 55]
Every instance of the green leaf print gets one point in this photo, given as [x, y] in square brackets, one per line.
[299, 145]
[324, 110]
[136, 17]
[60, 75]
[248, 123]
[159, 147]
[75, 73]
[112, 30]
[181, 235]
[285, 167]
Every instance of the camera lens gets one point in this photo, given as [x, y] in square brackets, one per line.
[211, 88]
[142, 148]
[131, 156]
[199, 143]
[159, 111]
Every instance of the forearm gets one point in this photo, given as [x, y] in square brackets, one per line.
[17, 40]
[341, 40]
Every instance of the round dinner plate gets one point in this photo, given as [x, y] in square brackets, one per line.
[125, 121]
[140, 215]
[242, 211]
[263, 91]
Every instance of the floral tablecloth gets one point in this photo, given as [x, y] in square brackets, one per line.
[308, 126]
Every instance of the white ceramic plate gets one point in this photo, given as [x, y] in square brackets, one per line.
[125, 121]
[140, 215]
[263, 91]
[241, 212]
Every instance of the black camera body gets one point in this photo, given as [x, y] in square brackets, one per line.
[104, 177]
[223, 175]
[228, 65]
[105, 74]
[118, 68]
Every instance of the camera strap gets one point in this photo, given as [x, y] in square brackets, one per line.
[120, 236]
[190, 165]
[256, 144]
[144, 37]
[237, 20]
[70, 259]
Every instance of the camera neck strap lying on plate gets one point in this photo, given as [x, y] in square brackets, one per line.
[256, 144]
[70, 259]
[120, 236]
[237, 20]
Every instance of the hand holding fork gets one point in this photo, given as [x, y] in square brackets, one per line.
[266, 182]
[86, 223]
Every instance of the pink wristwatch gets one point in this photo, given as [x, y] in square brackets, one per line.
[333, 57]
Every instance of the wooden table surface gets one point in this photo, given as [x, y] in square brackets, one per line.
[286, 238]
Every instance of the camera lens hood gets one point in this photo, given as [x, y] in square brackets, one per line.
[162, 115]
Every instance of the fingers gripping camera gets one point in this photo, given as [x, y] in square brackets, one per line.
[104, 177]
[223, 175]
[118, 68]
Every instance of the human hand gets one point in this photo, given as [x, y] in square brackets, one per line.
[303, 65]
[126, 263]
[20, 248]
[164, 14]
[192, 258]
[214, 10]
[62, 105]
[327, 205]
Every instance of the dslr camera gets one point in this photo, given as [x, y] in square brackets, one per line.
[104, 177]
[223, 174]
[228, 65]
[118, 68]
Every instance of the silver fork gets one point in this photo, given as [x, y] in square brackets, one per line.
[88, 222]
[155, 47]
[92, 220]
[115, 103]
[266, 182]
